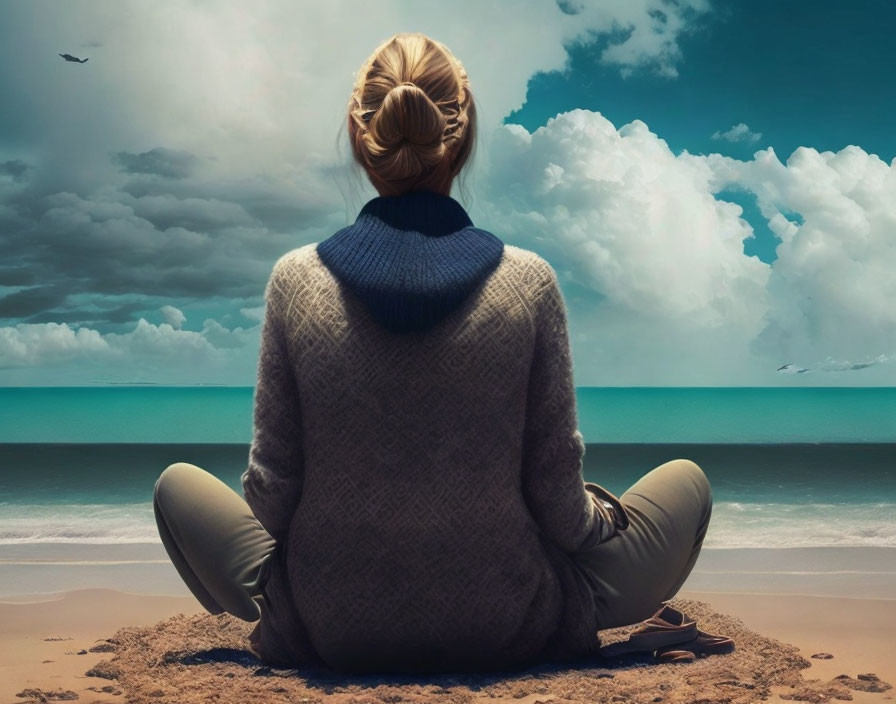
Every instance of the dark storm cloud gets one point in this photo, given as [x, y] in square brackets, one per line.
[125, 254]
[276, 210]
[122, 316]
[15, 168]
[16, 276]
[175, 239]
[31, 300]
[160, 161]
[189, 211]
[164, 239]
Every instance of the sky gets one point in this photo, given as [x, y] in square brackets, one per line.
[712, 181]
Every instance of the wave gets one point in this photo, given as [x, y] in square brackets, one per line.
[734, 524]
[737, 524]
[78, 523]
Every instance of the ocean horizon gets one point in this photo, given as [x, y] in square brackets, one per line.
[223, 414]
[809, 469]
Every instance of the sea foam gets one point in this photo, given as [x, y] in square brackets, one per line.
[733, 524]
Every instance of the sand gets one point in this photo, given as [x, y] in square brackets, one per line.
[167, 649]
[30, 655]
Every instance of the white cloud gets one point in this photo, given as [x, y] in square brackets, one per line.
[832, 285]
[658, 286]
[173, 316]
[160, 353]
[24, 344]
[653, 32]
[256, 313]
[221, 337]
[738, 133]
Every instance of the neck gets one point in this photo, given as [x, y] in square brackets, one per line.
[442, 189]
[438, 182]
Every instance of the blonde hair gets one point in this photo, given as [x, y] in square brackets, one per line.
[411, 115]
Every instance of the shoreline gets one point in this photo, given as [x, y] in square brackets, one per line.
[27, 570]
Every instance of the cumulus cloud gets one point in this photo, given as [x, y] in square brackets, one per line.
[832, 284]
[256, 313]
[738, 133]
[159, 353]
[658, 283]
[25, 344]
[635, 223]
[173, 316]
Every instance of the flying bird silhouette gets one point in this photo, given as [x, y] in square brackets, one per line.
[789, 370]
[69, 57]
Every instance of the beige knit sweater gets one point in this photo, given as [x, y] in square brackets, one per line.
[425, 489]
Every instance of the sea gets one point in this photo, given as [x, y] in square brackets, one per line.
[811, 468]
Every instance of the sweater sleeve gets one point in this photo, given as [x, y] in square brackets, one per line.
[553, 448]
[272, 482]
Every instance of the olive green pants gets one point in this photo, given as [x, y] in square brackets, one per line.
[218, 547]
[638, 568]
[221, 551]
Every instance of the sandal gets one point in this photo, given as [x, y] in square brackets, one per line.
[703, 643]
[665, 628]
[668, 655]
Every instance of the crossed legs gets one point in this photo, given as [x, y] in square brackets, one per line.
[669, 510]
[218, 547]
[222, 551]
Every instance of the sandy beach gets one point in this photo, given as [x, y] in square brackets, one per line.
[772, 575]
[50, 645]
[40, 641]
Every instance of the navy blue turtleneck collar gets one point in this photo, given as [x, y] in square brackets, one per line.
[412, 259]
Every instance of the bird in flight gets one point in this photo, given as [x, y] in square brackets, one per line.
[788, 368]
[69, 57]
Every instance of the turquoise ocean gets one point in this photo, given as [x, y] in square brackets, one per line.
[789, 467]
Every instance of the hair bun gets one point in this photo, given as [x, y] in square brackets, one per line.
[407, 114]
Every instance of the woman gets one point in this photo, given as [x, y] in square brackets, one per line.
[414, 498]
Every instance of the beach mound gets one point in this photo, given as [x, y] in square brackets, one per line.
[203, 658]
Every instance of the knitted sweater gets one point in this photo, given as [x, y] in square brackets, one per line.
[416, 452]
